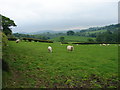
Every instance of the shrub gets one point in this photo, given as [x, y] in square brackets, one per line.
[12, 39]
[36, 40]
[64, 42]
[47, 41]
[30, 39]
[24, 39]
[90, 40]
[4, 40]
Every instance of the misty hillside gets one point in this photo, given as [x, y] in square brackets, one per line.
[101, 29]
[78, 35]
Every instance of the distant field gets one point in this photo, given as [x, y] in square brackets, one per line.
[73, 38]
[97, 31]
[88, 66]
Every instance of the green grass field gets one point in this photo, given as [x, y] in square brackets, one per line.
[99, 31]
[88, 66]
[73, 39]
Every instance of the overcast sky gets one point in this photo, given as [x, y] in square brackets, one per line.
[36, 15]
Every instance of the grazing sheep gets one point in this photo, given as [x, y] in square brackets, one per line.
[108, 44]
[104, 44]
[50, 49]
[18, 40]
[70, 48]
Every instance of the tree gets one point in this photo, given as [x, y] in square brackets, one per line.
[90, 40]
[70, 32]
[6, 24]
[62, 39]
[108, 37]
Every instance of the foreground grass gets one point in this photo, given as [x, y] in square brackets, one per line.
[88, 66]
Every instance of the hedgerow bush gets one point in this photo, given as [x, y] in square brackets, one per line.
[64, 42]
[12, 39]
[37, 40]
[4, 40]
[47, 41]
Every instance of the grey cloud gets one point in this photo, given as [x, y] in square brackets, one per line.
[36, 15]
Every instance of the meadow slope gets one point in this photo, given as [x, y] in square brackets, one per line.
[88, 66]
[73, 38]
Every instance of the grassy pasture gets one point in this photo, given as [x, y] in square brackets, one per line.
[73, 38]
[99, 31]
[88, 66]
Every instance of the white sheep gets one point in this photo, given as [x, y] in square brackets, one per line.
[70, 48]
[50, 49]
[18, 40]
[104, 44]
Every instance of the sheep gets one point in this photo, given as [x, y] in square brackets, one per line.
[103, 44]
[18, 40]
[70, 48]
[50, 49]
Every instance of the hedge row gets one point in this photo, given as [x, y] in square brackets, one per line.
[95, 43]
[12, 39]
[37, 40]
[30, 40]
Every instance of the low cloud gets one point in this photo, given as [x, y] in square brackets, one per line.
[36, 15]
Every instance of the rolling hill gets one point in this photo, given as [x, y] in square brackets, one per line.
[72, 38]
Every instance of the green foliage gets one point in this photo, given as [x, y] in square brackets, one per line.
[4, 40]
[62, 39]
[70, 32]
[90, 40]
[6, 24]
[18, 35]
[64, 42]
[30, 39]
[37, 40]
[95, 31]
[11, 37]
[88, 66]
[108, 37]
